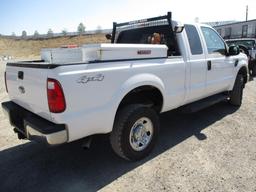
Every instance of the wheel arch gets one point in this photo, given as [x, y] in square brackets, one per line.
[145, 94]
[244, 48]
[243, 71]
[141, 85]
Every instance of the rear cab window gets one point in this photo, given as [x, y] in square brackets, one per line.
[145, 35]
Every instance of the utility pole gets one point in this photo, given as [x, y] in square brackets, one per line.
[246, 12]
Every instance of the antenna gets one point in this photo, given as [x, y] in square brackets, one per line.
[246, 12]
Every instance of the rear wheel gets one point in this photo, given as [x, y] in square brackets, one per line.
[237, 92]
[135, 132]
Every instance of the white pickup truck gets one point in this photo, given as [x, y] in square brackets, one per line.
[120, 88]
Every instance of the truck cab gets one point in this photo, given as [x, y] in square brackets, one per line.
[199, 46]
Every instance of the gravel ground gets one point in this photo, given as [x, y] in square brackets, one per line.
[212, 150]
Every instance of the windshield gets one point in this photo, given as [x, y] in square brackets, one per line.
[250, 44]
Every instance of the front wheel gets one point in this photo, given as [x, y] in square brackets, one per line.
[135, 132]
[237, 92]
[254, 69]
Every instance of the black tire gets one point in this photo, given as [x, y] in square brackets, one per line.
[237, 92]
[254, 69]
[124, 122]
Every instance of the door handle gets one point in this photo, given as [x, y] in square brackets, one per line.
[209, 65]
[236, 62]
[20, 75]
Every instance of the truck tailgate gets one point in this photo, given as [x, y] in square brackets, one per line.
[27, 88]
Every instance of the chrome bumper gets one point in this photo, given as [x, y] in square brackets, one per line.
[33, 127]
[56, 138]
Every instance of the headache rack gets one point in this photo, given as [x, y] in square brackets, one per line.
[154, 21]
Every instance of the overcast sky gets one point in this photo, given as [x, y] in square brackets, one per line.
[40, 15]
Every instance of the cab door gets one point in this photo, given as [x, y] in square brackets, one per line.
[220, 67]
[196, 65]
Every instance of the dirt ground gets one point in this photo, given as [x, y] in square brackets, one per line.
[212, 150]
[21, 48]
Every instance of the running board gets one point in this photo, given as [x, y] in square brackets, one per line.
[204, 103]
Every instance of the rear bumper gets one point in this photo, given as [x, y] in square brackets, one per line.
[33, 127]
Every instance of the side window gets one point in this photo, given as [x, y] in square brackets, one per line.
[194, 40]
[219, 31]
[228, 33]
[255, 31]
[244, 30]
[213, 41]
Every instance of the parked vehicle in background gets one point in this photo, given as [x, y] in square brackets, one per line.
[121, 88]
[236, 30]
[242, 34]
[248, 47]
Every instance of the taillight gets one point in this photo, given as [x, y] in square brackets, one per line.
[56, 98]
[5, 81]
[70, 46]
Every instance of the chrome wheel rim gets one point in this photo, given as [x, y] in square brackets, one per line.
[141, 134]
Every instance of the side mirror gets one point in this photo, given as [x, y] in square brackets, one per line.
[108, 36]
[233, 50]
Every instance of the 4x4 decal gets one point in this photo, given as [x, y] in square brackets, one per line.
[86, 79]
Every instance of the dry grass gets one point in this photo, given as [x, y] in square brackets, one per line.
[31, 48]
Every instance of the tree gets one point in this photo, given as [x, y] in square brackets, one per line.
[197, 20]
[81, 28]
[13, 34]
[36, 34]
[98, 30]
[64, 32]
[50, 33]
[24, 34]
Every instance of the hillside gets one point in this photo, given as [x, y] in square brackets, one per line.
[19, 48]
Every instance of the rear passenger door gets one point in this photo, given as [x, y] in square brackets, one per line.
[219, 66]
[196, 66]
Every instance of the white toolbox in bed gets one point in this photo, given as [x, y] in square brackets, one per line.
[103, 52]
